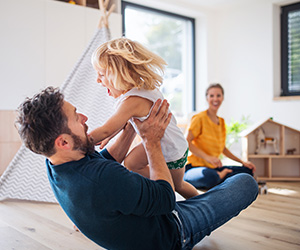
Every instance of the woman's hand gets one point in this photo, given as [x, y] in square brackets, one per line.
[215, 161]
[249, 165]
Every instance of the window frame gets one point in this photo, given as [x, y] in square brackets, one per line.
[125, 4]
[285, 10]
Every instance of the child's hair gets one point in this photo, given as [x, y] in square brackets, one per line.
[129, 65]
[214, 85]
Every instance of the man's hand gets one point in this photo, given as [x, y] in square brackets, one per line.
[153, 128]
[151, 131]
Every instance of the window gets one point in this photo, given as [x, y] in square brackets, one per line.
[172, 37]
[290, 50]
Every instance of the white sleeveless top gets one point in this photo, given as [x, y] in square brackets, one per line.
[173, 143]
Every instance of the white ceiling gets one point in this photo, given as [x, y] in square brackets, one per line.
[207, 4]
[212, 3]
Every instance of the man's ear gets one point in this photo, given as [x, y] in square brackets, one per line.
[62, 142]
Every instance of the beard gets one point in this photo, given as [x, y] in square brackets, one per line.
[86, 146]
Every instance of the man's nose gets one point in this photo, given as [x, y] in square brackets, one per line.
[83, 118]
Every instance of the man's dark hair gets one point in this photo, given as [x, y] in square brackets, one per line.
[41, 120]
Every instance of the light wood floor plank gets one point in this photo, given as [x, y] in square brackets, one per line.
[46, 230]
[272, 222]
[13, 239]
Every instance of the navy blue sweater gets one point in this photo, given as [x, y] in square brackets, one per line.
[115, 208]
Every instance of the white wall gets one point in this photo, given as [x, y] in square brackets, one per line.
[41, 40]
[236, 45]
[247, 63]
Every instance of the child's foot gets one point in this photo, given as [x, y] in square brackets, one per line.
[224, 172]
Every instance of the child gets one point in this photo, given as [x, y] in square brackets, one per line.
[130, 72]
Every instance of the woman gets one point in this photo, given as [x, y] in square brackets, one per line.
[206, 138]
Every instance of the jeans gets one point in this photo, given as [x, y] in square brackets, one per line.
[200, 215]
[203, 177]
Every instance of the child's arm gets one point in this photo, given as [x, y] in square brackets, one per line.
[132, 106]
[105, 141]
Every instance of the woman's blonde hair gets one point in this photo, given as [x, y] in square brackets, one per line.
[129, 64]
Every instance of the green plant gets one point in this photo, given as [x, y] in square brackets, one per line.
[233, 130]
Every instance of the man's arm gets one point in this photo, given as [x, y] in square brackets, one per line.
[118, 150]
[151, 131]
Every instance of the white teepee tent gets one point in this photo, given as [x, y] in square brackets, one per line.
[26, 178]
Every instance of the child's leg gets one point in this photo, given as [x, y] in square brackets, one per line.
[137, 161]
[184, 188]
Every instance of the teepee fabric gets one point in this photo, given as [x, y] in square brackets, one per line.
[26, 178]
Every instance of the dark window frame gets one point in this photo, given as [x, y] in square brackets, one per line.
[285, 10]
[124, 4]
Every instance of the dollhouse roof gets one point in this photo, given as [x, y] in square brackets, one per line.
[256, 125]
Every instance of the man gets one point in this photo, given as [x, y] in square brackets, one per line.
[112, 206]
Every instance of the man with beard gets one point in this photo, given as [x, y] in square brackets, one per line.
[112, 206]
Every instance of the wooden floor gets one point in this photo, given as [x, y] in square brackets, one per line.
[271, 222]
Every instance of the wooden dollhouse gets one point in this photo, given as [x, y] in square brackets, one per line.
[275, 150]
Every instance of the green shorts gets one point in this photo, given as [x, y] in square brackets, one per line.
[178, 163]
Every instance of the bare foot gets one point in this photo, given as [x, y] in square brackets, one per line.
[75, 228]
[224, 172]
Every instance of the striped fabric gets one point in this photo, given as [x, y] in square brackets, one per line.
[26, 178]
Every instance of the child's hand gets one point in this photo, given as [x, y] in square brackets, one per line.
[103, 143]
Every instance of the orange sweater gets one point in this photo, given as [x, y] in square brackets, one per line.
[209, 137]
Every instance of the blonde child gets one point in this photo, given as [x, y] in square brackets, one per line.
[131, 73]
